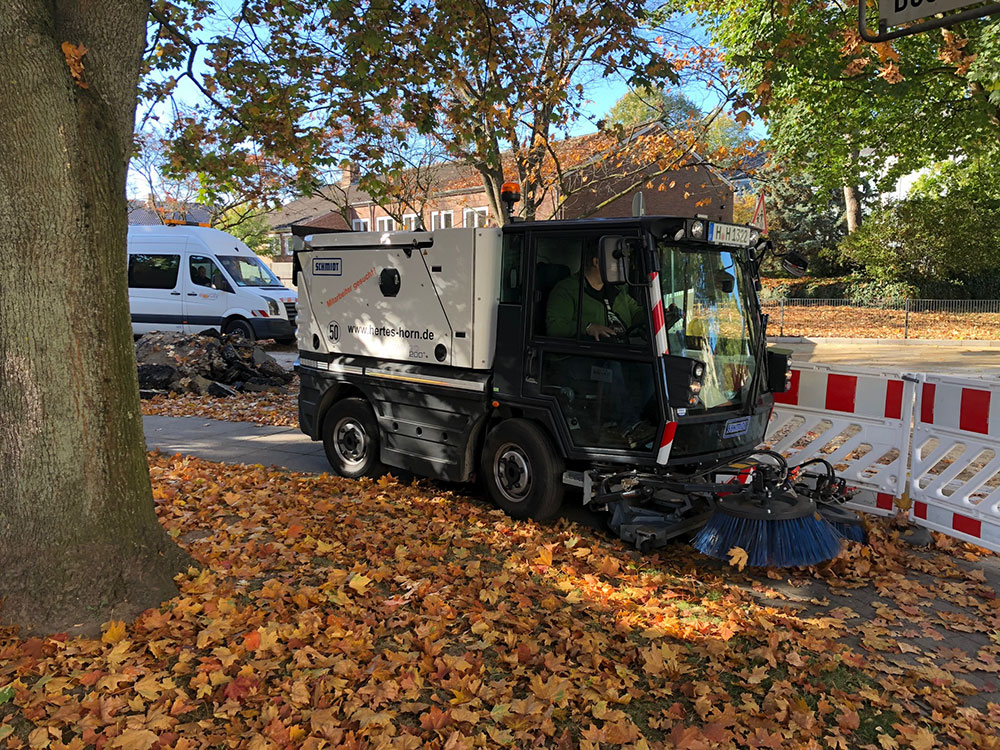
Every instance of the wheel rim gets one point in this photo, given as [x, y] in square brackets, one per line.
[512, 472]
[239, 328]
[350, 441]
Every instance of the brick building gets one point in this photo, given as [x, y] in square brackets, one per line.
[452, 195]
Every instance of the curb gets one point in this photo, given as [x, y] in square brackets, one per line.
[977, 343]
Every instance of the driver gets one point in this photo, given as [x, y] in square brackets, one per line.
[608, 311]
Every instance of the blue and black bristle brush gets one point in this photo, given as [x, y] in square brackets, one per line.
[846, 522]
[784, 530]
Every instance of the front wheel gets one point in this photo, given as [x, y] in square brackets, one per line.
[240, 327]
[522, 471]
[350, 439]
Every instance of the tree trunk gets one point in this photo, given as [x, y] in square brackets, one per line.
[852, 209]
[79, 539]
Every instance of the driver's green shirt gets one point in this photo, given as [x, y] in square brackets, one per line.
[560, 313]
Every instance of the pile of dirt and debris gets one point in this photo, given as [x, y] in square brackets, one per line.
[207, 363]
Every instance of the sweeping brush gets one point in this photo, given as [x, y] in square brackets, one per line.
[846, 522]
[783, 531]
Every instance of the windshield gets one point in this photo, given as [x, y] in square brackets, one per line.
[248, 271]
[708, 318]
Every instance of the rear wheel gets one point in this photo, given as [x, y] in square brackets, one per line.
[522, 471]
[350, 438]
[240, 327]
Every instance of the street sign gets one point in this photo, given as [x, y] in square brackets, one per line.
[895, 12]
[896, 17]
[759, 220]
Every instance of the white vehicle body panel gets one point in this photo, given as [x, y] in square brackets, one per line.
[442, 313]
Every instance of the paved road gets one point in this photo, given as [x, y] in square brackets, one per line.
[235, 442]
[974, 360]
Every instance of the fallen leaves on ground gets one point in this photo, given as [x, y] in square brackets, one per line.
[279, 409]
[337, 614]
[871, 323]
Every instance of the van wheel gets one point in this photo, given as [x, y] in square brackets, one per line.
[240, 327]
[522, 471]
[350, 438]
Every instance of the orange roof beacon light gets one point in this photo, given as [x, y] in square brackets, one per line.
[510, 193]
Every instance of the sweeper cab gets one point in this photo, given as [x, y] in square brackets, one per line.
[622, 358]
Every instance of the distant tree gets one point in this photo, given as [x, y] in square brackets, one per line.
[804, 217]
[645, 104]
[943, 238]
[845, 111]
[717, 135]
[249, 225]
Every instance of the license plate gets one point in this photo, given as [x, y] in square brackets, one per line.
[728, 234]
[736, 427]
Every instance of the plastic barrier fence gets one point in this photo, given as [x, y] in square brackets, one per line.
[955, 465]
[858, 420]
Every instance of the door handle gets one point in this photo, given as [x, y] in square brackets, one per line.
[531, 365]
[175, 294]
[192, 294]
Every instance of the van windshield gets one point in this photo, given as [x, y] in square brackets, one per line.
[248, 271]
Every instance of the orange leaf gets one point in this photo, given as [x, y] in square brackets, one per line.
[74, 61]
[435, 719]
[252, 640]
[114, 633]
[738, 558]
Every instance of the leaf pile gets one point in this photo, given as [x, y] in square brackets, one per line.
[339, 614]
[279, 408]
[870, 323]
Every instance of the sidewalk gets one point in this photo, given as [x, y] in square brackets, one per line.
[971, 358]
[235, 442]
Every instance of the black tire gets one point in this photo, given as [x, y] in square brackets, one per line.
[522, 471]
[350, 439]
[240, 327]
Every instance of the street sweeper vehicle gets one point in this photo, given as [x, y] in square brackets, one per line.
[625, 358]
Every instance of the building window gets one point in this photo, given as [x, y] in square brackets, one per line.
[442, 219]
[360, 225]
[410, 222]
[475, 217]
[384, 224]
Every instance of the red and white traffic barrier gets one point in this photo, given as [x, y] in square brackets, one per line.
[955, 463]
[857, 419]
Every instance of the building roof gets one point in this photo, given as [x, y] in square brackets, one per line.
[142, 213]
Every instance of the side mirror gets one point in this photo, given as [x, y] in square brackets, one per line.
[795, 264]
[614, 256]
[724, 281]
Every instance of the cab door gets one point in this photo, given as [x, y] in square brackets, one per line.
[207, 294]
[154, 286]
[589, 347]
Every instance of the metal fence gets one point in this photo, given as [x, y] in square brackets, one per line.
[904, 312]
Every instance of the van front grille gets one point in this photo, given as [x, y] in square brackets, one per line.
[290, 309]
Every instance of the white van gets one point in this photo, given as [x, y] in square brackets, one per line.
[188, 278]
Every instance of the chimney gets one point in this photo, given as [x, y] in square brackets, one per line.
[348, 175]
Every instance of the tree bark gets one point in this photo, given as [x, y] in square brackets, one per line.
[79, 538]
[852, 209]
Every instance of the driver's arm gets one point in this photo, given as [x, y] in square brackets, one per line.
[560, 311]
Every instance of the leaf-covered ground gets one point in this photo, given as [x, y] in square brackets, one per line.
[331, 613]
[279, 408]
[863, 322]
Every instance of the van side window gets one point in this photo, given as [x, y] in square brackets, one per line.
[205, 273]
[147, 271]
